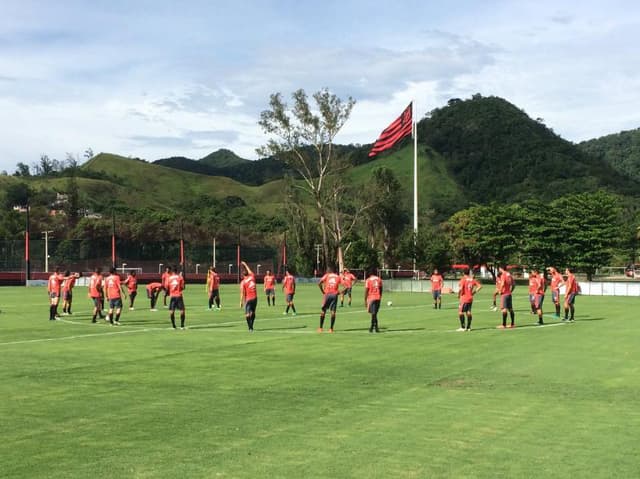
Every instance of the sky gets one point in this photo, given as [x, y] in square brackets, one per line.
[154, 79]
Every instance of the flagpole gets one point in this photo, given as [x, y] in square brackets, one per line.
[415, 185]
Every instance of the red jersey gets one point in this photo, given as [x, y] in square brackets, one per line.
[68, 284]
[466, 288]
[154, 286]
[269, 282]
[248, 288]
[436, 282]
[132, 283]
[175, 284]
[505, 286]
[542, 284]
[331, 283]
[214, 281]
[289, 284]
[55, 281]
[165, 280]
[373, 286]
[556, 280]
[113, 286]
[347, 279]
[95, 285]
[533, 283]
[571, 284]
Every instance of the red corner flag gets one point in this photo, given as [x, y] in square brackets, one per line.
[401, 127]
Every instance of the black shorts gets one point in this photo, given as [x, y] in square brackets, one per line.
[330, 302]
[374, 306]
[176, 303]
[115, 303]
[214, 293]
[250, 306]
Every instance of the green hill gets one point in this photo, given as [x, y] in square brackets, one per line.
[223, 159]
[494, 151]
[621, 151]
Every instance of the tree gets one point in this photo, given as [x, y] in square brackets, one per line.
[303, 139]
[22, 170]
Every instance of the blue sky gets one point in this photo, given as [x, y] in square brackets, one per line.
[153, 79]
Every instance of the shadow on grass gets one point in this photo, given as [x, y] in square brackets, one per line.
[283, 328]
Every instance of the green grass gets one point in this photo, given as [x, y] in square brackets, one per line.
[417, 400]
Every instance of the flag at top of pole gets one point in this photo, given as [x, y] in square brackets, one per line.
[401, 127]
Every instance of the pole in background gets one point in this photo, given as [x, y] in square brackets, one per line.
[113, 239]
[415, 187]
[214, 252]
[46, 250]
[26, 251]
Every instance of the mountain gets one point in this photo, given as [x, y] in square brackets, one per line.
[223, 159]
[621, 151]
[495, 152]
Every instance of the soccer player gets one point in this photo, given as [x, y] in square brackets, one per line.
[436, 289]
[213, 287]
[556, 282]
[496, 292]
[467, 288]
[289, 288]
[175, 286]
[67, 292]
[165, 286]
[248, 295]
[270, 288]
[506, 285]
[533, 289]
[54, 286]
[115, 290]
[96, 286]
[538, 300]
[153, 291]
[372, 297]
[329, 284]
[132, 287]
[348, 281]
[571, 290]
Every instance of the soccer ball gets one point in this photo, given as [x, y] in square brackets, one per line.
[389, 303]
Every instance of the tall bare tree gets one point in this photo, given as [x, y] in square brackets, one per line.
[302, 137]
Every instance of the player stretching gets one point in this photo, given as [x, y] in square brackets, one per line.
[67, 292]
[54, 287]
[270, 288]
[96, 293]
[115, 290]
[153, 291]
[436, 289]
[289, 288]
[372, 297]
[506, 286]
[329, 285]
[248, 296]
[467, 287]
[556, 282]
[348, 280]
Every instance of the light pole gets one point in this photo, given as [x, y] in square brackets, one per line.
[197, 266]
[230, 266]
[123, 266]
[160, 268]
[258, 268]
[46, 250]
[318, 248]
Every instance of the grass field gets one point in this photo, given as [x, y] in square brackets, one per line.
[417, 400]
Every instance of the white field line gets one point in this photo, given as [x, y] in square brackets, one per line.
[216, 328]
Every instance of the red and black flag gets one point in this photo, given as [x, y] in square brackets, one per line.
[401, 127]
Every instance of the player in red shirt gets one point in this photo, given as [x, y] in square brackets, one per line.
[67, 292]
[348, 281]
[213, 287]
[54, 290]
[571, 291]
[175, 287]
[467, 288]
[115, 290]
[96, 293]
[556, 282]
[372, 297]
[153, 290]
[505, 286]
[538, 299]
[329, 284]
[533, 289]
[436, 288]
[269, 281]
[289, 288]
[165, 286]
[248, 296]
[132, 287]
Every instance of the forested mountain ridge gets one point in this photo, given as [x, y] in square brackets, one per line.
[620, 150]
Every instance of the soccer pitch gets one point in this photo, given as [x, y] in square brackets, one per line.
[416, 400]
